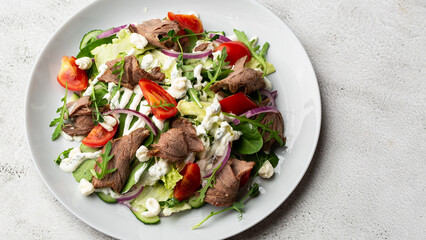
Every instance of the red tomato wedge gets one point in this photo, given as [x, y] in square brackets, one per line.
[190, 22]
[157, 96]
[69, 73]
[99, 136]
[244, 179]
[235, 51]
[190, 182]
[237, 104]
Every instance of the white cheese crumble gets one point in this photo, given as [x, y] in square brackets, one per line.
[153, 208]
[179, 87]
[267, 170]
[84, 63]
[86, 188]
[141, 154]
[138, 40]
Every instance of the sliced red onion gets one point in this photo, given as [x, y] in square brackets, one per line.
[256, 111]
[127, 204]
[145, 118]
[130, 195]
[110, 32]
[221, 38]
[270, 95]
[175, 54]
[223, 159]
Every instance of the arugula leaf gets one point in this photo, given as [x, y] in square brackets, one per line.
[164, 105]
[211, 181]
[86, 51]
[254, 50]
[97, 116]
[217, 66]
[63, 155]
[60, 120]
[193, 96]
[250, 141]
[104, 164]
[237, 206]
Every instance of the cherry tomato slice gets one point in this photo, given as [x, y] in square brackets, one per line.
[156, 95]
[235, 51]
[99, 136]
[237, 104]
[69, 73]
[190, 22]
[244, 179]
[190, 182]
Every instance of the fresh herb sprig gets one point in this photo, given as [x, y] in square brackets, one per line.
[162, 104]
[104, 164]
[237, 206]
[254, 50]
[171, 202]
[211, 181]
[193, 96]
[217, 67]
[119, 68]
[256, 122]
[63, 155]
[60, 120]
[96, 114]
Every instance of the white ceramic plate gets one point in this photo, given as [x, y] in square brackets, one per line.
[298, 100]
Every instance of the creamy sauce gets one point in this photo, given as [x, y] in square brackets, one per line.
[76, 158]
[108, 191]
[84, 63]
[153, 208]
[267, 170]
[102, 70]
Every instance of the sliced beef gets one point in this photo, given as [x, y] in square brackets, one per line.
[276, 125]
[194, 143]
[201, 47]
[155, 29]
[156, 74]
[132, 73]
[80, 106]
[124, 149]
[225, 191]
[171, 146]
[243, 79]
[80, 125]
[175, 144]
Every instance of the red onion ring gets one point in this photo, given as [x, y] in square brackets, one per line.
[223, 159]
[221, 38]
[270, 95]
[256, 111]
[175, 54]
[145, 118]
[110, 32]
[130, 195]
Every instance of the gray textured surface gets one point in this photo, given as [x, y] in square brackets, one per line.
[367, 179]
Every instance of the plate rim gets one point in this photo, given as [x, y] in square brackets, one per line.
[318, 117]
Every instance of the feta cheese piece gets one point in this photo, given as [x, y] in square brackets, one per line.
[84, 63]
[148, 61]
[138, 40]
[86, 188]
[153, 208]
[268, 84]
[109, 123]
[267, 170]
[141, 154]
[179, 87]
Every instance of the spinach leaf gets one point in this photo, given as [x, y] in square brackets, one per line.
[250, 141]
[260, 158]
[192, 39]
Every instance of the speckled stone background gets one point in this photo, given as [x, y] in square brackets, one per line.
[368, 177]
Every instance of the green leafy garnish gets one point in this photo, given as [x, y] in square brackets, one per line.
[86, 51]
[103, 165]
[254, 50]
[256, 122]
[63, 155]
[237, 206]
[60, 120]
[119, 68]
[171, 202]
[217, 67]
[96, 114]
[162, 104]
[250, 141]
[211, 181]
[260, 158]
[193, 96]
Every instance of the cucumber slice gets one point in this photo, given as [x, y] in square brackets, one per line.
[194, 203]
[84, 170]
[73, 97]
[106, 198]
[146, 220]
[89, 38]
[84, 148]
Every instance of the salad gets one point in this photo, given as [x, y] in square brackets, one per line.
[170, 117]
